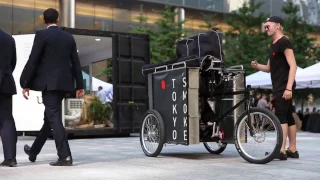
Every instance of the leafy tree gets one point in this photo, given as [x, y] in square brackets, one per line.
[305, 51]
[208, 19]
[163, 38]
[142, 27]
[107, 71]
[297, 29]
[244, 40]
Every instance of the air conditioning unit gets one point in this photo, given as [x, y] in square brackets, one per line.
[73, 111]
[74, 104]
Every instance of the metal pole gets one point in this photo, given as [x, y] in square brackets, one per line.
[67, 13]
[180, 17]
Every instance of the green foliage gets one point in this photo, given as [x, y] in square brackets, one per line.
[107, 71]
[297, 29]
[245, 19]
[99, 112]
[142, 27]
[208, 19]
[305, 51]
[245, 41]
[163, 38]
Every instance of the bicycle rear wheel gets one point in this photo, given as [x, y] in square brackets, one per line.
[152, 133]
[263, 130]
[215, 147]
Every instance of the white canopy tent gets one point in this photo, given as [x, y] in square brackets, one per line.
[310, 78]
[97, 82]
[262, 80]
[258, 78]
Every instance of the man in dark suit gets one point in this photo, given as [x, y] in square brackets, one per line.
[52, 67]
[7, 89]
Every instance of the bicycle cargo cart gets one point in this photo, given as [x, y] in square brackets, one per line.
[196, 99]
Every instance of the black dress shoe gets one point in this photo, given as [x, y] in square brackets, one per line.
[63, 162]
[27, 150]
[282, 156]
[9, 163]
[292, 154]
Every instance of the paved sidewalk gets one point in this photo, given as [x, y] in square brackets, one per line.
[122, 158]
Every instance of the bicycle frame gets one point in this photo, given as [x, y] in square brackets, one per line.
[246, 100]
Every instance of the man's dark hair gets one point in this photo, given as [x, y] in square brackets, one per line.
[100, 87]
[50, 16]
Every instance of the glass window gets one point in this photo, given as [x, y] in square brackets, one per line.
[86, 78]
[152, 16]
[192, 3]
[188, 21]
[206, 4]
[135, 13]
[103, 16]
[175, 2]
[121, 20]
[275, 7]
[23, 16]
[40, 6]
[99, 70]
[264, 8]
[6, 16]
[84, 14]
[158, 1]
[93, 52]
[100, 78]
[219, 6]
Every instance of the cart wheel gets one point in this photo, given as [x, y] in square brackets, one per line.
[152, 133]
[265, 136]
[214, 147]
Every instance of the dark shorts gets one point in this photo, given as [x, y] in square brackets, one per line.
[283, 110]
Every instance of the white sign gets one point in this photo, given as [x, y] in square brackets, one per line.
[28, 114]
[174, 110]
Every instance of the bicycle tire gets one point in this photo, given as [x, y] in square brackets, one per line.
[278, 145]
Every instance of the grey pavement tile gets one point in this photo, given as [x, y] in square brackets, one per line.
[123, 158]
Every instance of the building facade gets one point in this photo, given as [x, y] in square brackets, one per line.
[25, 16]
[308, 9]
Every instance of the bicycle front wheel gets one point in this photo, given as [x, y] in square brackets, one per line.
[259, 139]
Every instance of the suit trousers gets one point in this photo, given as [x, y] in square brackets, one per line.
[52, 121]
[8, 130]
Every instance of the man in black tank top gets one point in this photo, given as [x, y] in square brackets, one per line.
[282, 67]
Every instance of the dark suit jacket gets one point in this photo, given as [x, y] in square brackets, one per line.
[8, 61]
[53, 63]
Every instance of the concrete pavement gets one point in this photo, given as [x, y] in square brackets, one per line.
[122, 158]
